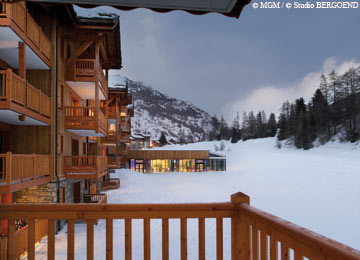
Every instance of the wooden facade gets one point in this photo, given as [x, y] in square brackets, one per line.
[118, 139]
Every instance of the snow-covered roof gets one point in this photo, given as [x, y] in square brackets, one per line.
[131, 106]
[117, 82]
[213, 155]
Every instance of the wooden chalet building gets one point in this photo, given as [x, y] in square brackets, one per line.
[56, 129]
[120, 111]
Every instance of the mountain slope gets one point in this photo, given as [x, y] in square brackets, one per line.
[156, 112]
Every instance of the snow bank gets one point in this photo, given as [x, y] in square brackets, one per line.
[317, 189]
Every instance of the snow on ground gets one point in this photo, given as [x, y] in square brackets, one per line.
[318, 189]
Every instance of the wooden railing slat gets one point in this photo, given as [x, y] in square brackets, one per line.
[109, 239]
[11, 240]
[255, 242]
[31, 239]
[51, 239]
[70, 239]
[90, 239]
[165, 239]
[201, 239]
[273, 248]
[128, 240]
[147, 242]
[263, 244]
[219, 239]
[298, 256]
[285, 254]
[183, 238]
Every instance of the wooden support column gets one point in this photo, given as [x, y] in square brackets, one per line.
[240, 231]
[22, 60]
[97, 87]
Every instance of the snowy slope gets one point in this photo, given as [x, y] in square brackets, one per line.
[156, 112]
[317, 189]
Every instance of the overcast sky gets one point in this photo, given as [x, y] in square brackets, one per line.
[224, 65]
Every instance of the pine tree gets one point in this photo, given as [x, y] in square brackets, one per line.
[271, 126]
[162, 139]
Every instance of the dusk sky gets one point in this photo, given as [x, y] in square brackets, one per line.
[224, 65]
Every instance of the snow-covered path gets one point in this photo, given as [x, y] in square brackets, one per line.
[318, 189]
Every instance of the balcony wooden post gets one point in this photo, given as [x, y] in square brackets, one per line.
[8, 167]
[240, 231]
[22, 60]
[11, 240]
[8, 86]
[97, 77]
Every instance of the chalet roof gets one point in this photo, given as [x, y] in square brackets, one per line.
[213, 155]
[230, 8]
[168, 154]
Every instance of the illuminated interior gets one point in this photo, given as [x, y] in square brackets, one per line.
[185, 165]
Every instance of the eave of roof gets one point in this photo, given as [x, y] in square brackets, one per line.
[233, 10]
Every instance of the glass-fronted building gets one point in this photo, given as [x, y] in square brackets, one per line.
[153, 161]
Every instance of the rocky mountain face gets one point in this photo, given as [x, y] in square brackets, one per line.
[156, 112]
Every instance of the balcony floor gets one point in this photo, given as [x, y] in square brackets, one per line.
[19, 185]
[12, 117]
[85, 89]
[9, 50]
[85, 132]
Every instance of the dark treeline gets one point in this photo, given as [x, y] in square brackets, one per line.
[334, 109]
[252, 126]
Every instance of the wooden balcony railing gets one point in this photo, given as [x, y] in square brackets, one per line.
[85, 167]
[84, 70]
[114, 162]
[112, 112]
[277, 239]
[111, 184]
[18, 14]
[19, 171]
[125, 137]
[21, 239]
[18, 94]
[95, 198]
[84, 118]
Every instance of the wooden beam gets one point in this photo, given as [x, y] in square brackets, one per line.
[109, 239]
[22, 60]
[147, 241]
[51, 239]
[103, 52]
[97, 87]
[79, 36]
[183, 238]
[165, 239]
[128, 239]
[31, 239]
[79, 51]
[90, 240]
[70, 239]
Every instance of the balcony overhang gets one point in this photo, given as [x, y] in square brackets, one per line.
[9, 51]
[13, 118]
[85, 89]
[85, 132]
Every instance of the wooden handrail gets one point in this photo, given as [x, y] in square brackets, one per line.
[21, 17]
[305, 243]
[18, 90]
[246, 225]
[19, 167]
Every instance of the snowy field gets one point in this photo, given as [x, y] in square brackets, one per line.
[318, 189]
